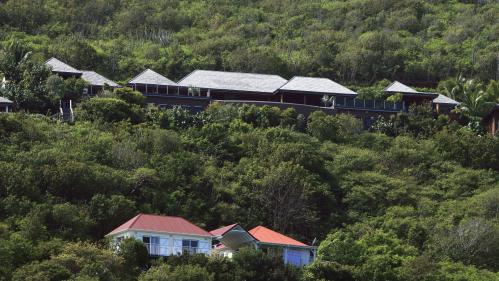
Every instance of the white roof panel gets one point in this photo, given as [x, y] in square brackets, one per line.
[151, 77]
[236, 81]
[5, 100]
[95, 79]
[445, 100]
[316, 85]
[59, 66]
[397, 87]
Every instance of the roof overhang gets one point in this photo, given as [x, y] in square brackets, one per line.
[288, 245]
[158, 232]
[233, 90]
[317, 93]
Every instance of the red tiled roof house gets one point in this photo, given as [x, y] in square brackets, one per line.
[164, 235]
[233, 237]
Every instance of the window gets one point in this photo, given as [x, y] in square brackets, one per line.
[190, 246]
[311, 256]
[152, 245]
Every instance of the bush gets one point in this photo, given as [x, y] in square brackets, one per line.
[109, 110]
[323, 126]
[130, 96]
[180, 273]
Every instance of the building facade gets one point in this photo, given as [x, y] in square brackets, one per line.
[491, 121]
[233, 237]
[164, 235]
[5, 105]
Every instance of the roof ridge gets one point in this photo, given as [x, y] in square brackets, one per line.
[240, 72]
[183, 78]
[138, 74]
[135, 220]
[391, 84]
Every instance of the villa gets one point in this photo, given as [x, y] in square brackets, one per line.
[199, 88]
[165, 236]
[95, 81]
[233, 237]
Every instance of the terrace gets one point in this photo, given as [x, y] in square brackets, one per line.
[369, 104]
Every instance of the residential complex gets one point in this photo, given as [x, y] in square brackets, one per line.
[165, 236]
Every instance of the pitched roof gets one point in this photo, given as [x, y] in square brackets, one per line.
[266, 235]
[235, 81]
[222, 230]
[95, 79]
[444, 100]
[5, 100]
[165, 224]
[317, 85]
[58, 66]
[397, 87]
[151, 77]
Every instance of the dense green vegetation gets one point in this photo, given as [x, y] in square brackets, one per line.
[418, 203]
[413, 198]
[358, 41]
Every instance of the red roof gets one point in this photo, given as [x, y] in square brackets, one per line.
[157, 223]
[266, 235]
[222, 230]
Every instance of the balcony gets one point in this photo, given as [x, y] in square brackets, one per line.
[155, 249]
[369, 104]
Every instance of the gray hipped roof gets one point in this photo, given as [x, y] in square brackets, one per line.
[445, 100]
[397, 87]
[4, 100]
[151, 77]
[95, 79]
[58, 66]
[316, 85]
[235, 81]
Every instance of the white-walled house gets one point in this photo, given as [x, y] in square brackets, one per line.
[233, 237]
[5, 105]
[164, 235]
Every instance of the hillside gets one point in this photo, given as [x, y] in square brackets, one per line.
[419, 202]
[354, 42]
[413, 196]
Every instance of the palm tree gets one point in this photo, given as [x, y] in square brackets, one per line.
[328, 101]
[470, 93]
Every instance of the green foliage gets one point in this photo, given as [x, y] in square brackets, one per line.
[322, 126]
[81, 260]
[255, 265]
[413, 40]
[180, 273]
[130, 96]
[109, 110]
[422, 204]
[135, 256]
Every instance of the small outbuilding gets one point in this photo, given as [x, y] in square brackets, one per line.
[233, 237]
[96, 82]
[409, 95]
[444, 104]
[5, 105]
[311, 90]
[150, 82]
[62, 69]
[491, 120]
